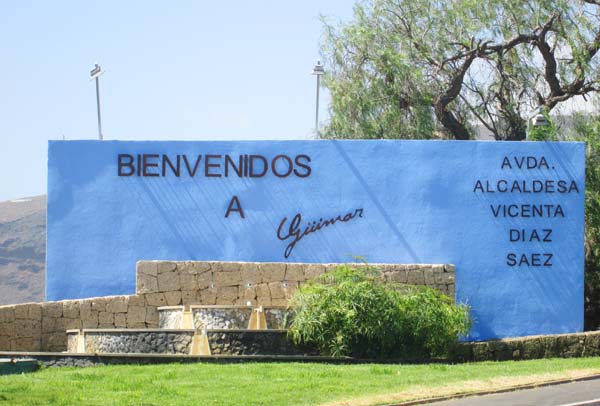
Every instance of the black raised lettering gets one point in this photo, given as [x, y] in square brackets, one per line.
[235, 206]
[147, 164]
[254, 173]
[299, 162]
[237, 169]
[125, 161]
[290, 165]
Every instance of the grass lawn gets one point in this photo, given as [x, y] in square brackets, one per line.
[274, 384]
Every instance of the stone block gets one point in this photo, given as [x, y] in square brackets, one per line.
[151, 316]
[444, 278]
[462, 352]
[4, 343]
[230, 267]
[571, 345]
[35, 311]
[54, 342]
[24, 344]
[208, 296]
[205, 280]
[429, 277]
[263, 301]
[137, 300]
[550, 346]
[136, 315]
[190, 297]
[399, 276]
[276, 290]
[156, 299]
[532, 349]
[52, 309]
[7, 329]
[188, 281]
[24, 327]
[146, 268]
[279, 302]
[199, 267]
[52, 325]
[232, 278]
[415, 277]
[99, 304]
[592, 344]
[84, 306]
[168, 281]
[482, 352]
[106, 319]
[262, 290]
[71, 309]
[294, 272]
[120, 320]
[117, 304]
[89, 317]
[7, 314]
[173, 298]
[227, 294]
[71, 324]
[272, 272]
[250, 274]
[313, 270]
[22, 311]
[146, 283]
[247, 294]
[185, 267]
[165, 266]
[289, 288]
[451, 291]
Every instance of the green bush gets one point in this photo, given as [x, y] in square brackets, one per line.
[351, 311]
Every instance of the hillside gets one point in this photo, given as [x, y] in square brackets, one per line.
[22, 250]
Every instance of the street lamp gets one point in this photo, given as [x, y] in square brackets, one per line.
[537, 119]
[95, 74]
[318, 71]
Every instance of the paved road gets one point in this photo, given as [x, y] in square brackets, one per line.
[577, 393]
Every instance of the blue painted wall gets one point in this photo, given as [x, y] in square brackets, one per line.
[421, 203]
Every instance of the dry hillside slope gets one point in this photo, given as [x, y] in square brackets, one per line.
[22, 250]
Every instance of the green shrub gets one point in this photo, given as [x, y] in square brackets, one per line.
[351, 311]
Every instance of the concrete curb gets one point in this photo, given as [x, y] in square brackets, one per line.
[495, 391]
[67, 359]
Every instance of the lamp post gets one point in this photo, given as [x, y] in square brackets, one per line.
[537, 119]
[95, 74]
[318, 71]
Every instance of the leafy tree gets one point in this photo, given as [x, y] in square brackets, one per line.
[431, 68]
[590, 132]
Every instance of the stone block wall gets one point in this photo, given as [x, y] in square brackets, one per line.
[42, 326]
[267, 284]
[532, 347]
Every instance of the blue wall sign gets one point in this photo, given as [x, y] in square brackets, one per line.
[509, 215]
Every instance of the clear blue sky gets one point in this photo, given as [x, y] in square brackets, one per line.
[190, 70]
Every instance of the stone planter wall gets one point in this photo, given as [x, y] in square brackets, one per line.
[42, 326]
[208, 317]
[170, 317]
[125, 341]
[532, 347]
[254, 342]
